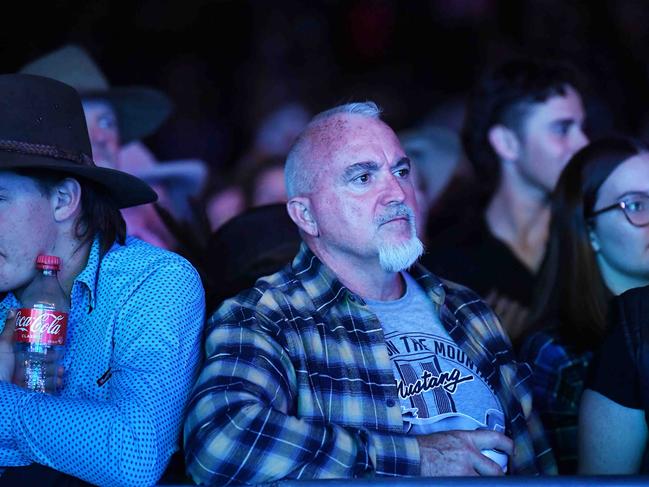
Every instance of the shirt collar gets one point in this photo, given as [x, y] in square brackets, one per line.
[320, 282]
[88, 276]
[325, 289]
[433, 285]
[9, 301]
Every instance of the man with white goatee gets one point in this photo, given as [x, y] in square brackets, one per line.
[353, 360]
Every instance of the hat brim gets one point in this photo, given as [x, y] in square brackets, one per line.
[190, 174]
[126, 190]
[140, 111]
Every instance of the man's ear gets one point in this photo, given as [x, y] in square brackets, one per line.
[66, 199]
[504, 142]
[299, 209]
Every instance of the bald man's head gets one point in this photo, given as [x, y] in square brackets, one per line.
[313, 147]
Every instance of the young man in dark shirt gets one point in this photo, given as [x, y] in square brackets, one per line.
[524, 121]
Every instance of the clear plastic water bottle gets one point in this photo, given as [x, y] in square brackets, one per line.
[41, 328]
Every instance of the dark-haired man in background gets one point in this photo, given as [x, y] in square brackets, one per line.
[524, 121]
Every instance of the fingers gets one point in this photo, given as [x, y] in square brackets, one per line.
[45, 376]
[518, 324]
[8, 329]
[491, 440]
[499, 305]
[464, 453]
[491, 298]
[54, 382]
[492, 445]
[512, 315]
[496, 302]
[32, 377]
[37, 369]
[484, 465]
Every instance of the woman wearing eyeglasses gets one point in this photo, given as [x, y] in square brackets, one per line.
[612, 419]
[598, 247]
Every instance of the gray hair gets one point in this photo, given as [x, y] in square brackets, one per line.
[300, 181]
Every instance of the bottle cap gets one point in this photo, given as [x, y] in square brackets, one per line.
[48, 262]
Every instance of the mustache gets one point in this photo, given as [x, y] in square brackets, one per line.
[395, 212]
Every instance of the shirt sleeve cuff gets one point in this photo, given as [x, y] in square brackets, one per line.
[393, 455]
[11, 397]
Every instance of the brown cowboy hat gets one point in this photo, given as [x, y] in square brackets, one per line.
[42, 126]
[140, 110]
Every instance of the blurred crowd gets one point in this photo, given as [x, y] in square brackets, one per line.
[531, 184]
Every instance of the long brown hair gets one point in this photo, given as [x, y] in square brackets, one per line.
[570, 287]
[100, 215]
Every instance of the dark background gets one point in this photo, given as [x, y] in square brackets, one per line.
[226, 64]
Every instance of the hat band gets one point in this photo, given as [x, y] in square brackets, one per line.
[45, 150]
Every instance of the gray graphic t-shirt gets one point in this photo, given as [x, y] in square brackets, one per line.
[439, 387]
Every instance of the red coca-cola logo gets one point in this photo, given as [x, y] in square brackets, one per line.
[40, 326]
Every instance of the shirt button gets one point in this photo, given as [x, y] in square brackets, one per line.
[390, 403]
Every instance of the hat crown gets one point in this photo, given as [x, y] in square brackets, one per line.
[39, 110]
[42, 126]
[140, 110]
[72, 65]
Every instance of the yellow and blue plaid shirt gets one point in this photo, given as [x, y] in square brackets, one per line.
[297, 383]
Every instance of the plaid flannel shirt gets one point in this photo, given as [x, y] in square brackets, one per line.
[297, 383]
[559, 375]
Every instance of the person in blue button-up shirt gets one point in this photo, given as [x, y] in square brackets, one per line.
[136, 311]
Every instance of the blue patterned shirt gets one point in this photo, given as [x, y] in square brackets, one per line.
[135, 323]
[297, 383]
